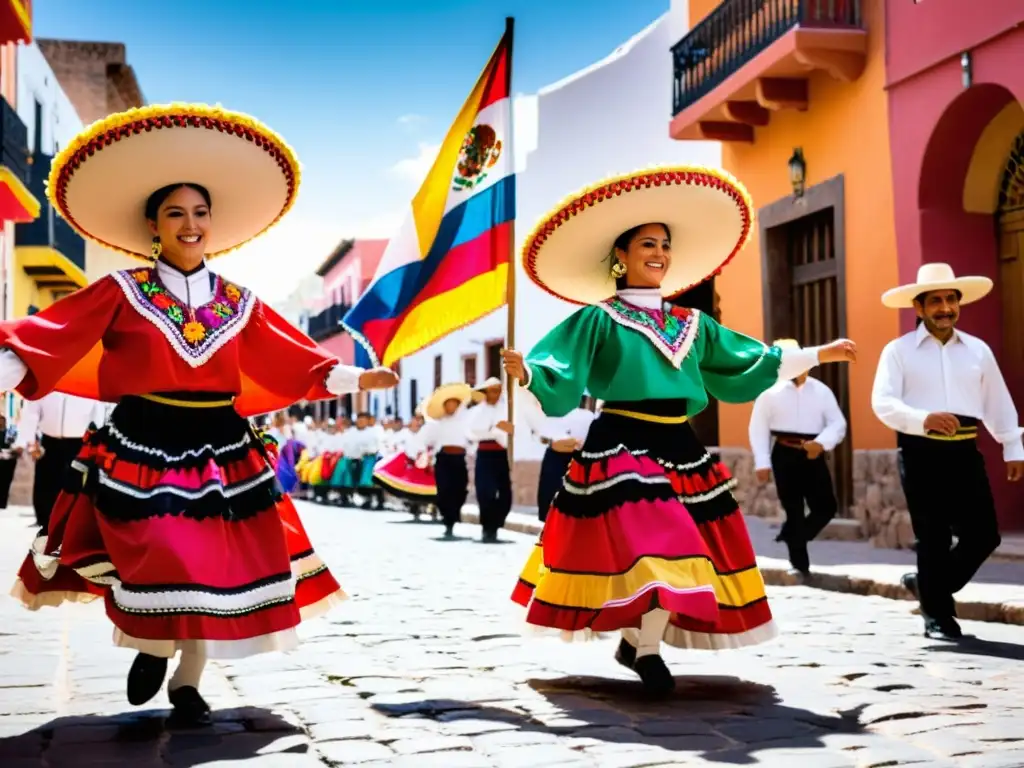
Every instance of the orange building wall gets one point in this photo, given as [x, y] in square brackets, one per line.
[844, 131]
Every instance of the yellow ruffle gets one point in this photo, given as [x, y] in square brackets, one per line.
[591, 592]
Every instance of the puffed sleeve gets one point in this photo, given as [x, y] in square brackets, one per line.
[282, 361]
[735, 368]
[558, 367]
[50, 343]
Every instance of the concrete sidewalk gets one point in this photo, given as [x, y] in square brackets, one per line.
[856, 567]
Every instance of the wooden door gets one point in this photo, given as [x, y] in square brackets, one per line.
[814, 299]
[1010, 497]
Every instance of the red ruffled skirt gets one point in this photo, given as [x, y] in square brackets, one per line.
[399, 476]
[646, 519]
[174, 517]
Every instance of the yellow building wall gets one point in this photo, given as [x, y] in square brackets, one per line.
[844, 131]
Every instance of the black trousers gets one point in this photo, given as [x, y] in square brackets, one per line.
[553, 467]
[493, 488]
[452, 478]
[51, 472]
[801, 480]
[948, 494]
[7, 467]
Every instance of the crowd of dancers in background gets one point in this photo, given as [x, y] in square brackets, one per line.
[422, 464]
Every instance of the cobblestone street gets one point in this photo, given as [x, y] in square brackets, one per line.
[428, 665]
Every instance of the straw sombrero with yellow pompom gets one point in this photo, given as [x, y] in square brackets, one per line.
[100, 182]
[708, 212]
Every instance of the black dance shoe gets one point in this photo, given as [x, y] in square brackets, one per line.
[655, 675]
[145, 678]
[625, 654]
[947, 629]
[190, 709]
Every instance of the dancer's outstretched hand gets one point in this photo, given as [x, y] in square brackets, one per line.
[514, 365]
[839, 351]
[378, 378]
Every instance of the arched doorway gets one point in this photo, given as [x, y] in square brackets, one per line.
[1010, 223]
[971, 216]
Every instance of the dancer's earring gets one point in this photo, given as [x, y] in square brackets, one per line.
[618, 269]
[157, 248]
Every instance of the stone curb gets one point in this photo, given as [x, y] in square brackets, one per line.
[779, 576]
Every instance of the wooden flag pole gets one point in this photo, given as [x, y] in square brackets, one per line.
[510, 289]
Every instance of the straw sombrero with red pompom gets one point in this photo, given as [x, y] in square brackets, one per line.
[708, 212]
[100, 182]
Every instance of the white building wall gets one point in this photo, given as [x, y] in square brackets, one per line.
[611, 117]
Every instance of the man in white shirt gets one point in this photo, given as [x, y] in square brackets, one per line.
[563, 436]
[933, 386]
[803, 417]
[490, 429]
[447, 434]
[51, 430]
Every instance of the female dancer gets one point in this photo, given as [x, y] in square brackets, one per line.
[175, 519]
[408, 473]
[645, 536]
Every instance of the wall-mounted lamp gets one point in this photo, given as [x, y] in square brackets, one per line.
[966, 68]
[798, 172]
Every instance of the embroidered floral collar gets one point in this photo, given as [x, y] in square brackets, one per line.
[671, 331]
[194, 333]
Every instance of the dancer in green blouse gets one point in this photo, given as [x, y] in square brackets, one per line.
[645, 535]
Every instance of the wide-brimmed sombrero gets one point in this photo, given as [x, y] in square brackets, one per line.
[937, 277]
[708, 212]
[101, 180]
[479, 391]
[433, 406]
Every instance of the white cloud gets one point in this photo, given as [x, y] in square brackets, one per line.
[412, 121]
[416, 168]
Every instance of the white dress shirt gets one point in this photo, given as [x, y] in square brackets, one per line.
[483, 422]
[575, 424]
[808, 409]
[793, 363]
[918, 375]
[361, 442]
[194, 289]
[448, 431]
[58, 415]
[414, 443]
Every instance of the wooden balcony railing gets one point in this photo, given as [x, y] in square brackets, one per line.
[737, 30]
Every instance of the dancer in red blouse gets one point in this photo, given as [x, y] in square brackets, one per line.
[174, 516]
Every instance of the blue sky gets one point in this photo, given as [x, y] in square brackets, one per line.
[362, 90]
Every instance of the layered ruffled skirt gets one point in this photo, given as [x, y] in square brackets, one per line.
[173, 516]
[646, 519]
[399, 476]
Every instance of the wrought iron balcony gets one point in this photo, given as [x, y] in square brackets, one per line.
[327, 322]
[752, 56]
[49, 231]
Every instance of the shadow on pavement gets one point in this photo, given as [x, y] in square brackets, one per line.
[148, 738]
[975, 646]
[723, 719]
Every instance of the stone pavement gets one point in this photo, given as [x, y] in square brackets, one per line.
[857, 567]
[427, 665]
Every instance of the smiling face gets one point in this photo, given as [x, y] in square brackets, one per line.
[647, 255]
[939, 311]
[183, 225]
